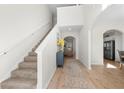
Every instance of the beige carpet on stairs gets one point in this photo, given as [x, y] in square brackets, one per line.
[25, 76]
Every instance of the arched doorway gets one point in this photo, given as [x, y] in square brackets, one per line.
[112, 41]
[70, 46]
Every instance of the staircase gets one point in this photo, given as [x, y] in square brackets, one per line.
[25, 76]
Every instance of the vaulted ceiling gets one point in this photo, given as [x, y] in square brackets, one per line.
[53, 7]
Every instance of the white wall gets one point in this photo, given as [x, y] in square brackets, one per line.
[111, 18]
[21, 27]
[47, 59]
[97, 41]
[90, 13]
[18, 21]
[71, 15]
[74, 34]
[83, 15]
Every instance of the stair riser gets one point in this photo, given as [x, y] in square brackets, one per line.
[24, 75]
[31, 59]
[34, 66]
[32, 54]
[13, 83]
[33, 49]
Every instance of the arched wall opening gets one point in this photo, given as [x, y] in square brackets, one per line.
[112, 42]
[76, 37]
[70, 46]
[97, 39]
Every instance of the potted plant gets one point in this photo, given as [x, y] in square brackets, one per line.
[60, 44]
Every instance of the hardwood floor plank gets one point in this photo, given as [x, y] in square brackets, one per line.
[74, 75]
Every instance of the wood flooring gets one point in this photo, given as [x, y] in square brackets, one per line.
[74, 75]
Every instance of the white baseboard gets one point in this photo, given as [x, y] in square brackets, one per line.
[86, 65]
[97, 64]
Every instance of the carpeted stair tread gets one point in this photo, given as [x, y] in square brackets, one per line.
[19, 83]
[30, 59]
[28, 65]
[32, 54]
[25, 76]
[25, 73]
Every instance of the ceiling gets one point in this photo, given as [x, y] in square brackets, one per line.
[113, 13]
[53, 7]
[71, 28]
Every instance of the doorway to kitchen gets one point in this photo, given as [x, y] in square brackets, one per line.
[112, 41]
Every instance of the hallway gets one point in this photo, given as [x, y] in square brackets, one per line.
[74, 75]
[70, 76]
